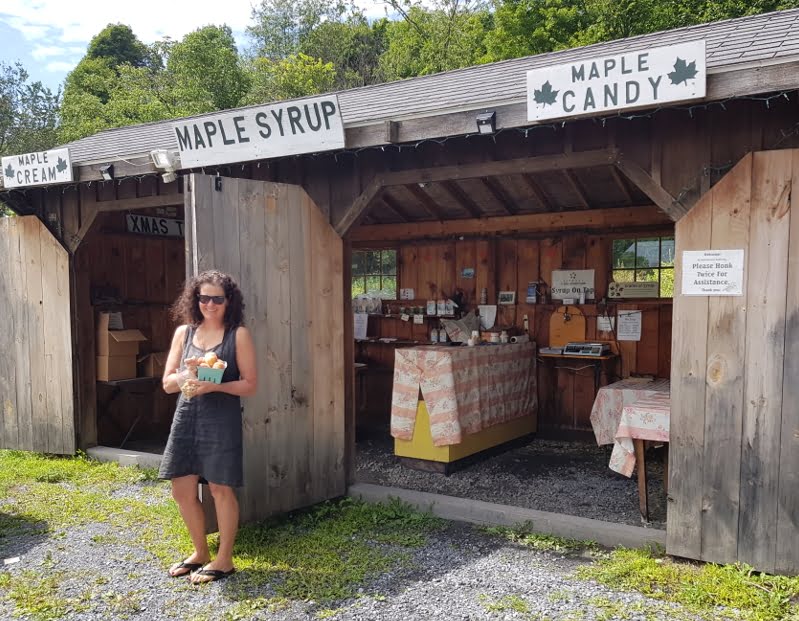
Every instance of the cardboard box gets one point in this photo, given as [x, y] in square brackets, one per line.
[114, 343]
[204, 374]
[110, 368]
[153, 365]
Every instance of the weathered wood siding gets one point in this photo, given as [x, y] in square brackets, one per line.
[288, 261]
[36, 391]
[735, 421]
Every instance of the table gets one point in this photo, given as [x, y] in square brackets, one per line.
[606, 419]
[644, 419]
[465, 389]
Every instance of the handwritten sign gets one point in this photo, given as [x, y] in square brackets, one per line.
[287, 128]
[39, 168]
[629, 325]
[568, 284]
[638, 79]
[712, 272]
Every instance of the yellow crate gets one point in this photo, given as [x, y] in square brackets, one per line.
[421, 445]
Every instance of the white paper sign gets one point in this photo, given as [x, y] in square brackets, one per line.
[149, 225]
[629, 325]
[360, 325]
[713, 272]
[40, 168]
[569, 283]
[625, 80]
[605, 324]
[286, 128]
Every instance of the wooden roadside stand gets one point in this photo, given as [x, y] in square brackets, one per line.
[482, 181]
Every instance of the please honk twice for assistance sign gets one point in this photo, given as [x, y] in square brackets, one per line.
[627, 80]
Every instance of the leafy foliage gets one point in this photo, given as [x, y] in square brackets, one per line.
[28, 112]
[117, 44]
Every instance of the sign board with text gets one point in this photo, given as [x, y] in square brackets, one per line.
[626, 80]
[39, 168]
[286, 128]
[149, 225]
[569, 283]
[712, 272]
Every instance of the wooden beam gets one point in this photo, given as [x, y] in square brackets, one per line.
[652, 189]
[392, 131]
[575, 186]
[463, 199]
[560, 161]
[89, 215]
[394, 206]
[498, 192]
[357, 210]
[144, 202]
[591, 219]
[614, 172]
[537, 192]
[427, 203]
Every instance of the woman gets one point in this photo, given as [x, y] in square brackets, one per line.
[206, 436]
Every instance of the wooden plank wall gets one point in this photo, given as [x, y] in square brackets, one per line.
[147, 274]
[435, 269]
[36, 381]
[734, 420]
[289, 262]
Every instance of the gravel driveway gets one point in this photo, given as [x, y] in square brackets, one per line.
[462, 573]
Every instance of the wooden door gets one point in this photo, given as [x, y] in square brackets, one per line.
[734, 438]
[36, 391]
[288, 261]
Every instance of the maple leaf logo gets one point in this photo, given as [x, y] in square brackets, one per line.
[683, 71]
[61, 166]
[546, 95]
[9, 171]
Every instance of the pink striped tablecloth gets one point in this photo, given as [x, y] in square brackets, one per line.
[644, 419]
[610, 399]
[466, 389]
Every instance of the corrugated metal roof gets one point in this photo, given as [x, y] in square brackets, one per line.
[729, 43]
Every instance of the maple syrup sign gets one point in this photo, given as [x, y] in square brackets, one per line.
[39, 168]
[287, 128]
[629, 80]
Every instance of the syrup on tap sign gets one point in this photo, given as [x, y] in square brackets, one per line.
[644, 78]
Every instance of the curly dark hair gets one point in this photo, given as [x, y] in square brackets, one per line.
[187, 307]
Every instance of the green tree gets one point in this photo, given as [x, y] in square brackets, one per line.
[117, 44]
[451, 35]
[207, 71]
[296, 76]
[280, 26]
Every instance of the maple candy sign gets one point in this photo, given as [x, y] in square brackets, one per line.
[629, 80]
[39, 168]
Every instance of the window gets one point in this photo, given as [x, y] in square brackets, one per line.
[374, 272]
[646, 259]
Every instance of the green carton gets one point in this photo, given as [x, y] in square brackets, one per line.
[206, 374]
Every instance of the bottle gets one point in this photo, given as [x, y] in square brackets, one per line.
[582, 295]
[434, 335]
[484, 296]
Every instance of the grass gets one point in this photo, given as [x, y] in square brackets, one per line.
[322, 555]
[710, 591]
[525, 535]
[507, 603]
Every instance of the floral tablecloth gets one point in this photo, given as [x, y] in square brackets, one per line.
[466, 389]
[644, 419]
[607, 411]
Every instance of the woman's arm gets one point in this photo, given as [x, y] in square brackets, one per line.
[245, 361]
[173, 361]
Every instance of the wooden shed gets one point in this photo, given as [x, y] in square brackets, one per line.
[460, 210]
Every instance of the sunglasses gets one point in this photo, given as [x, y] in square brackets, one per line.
[216, 299]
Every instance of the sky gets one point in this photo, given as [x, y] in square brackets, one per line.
[49, 37]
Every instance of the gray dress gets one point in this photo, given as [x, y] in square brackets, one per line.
[206, 435]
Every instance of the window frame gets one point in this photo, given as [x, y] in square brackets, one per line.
[364, 250]
[636, 237]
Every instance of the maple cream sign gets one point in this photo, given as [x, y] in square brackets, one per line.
[38, 168]
[629, 80]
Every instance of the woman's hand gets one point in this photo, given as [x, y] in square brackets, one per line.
[204, 388]
[192, 364]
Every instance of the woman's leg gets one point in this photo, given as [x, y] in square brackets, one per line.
[227, 517]
[184, 491]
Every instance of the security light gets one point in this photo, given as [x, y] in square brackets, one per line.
[162, 159]
[486, 122]
[107, 171]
